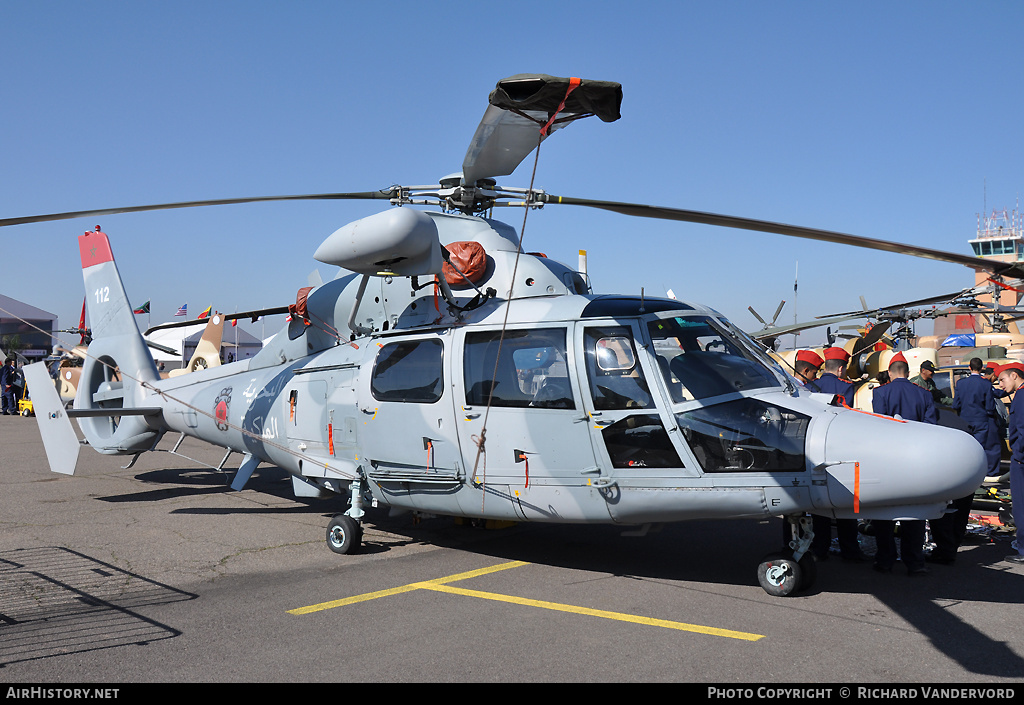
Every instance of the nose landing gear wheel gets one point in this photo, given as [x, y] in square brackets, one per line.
[781, 576]
[344, 534]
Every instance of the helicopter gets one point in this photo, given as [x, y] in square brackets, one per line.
[449, 372]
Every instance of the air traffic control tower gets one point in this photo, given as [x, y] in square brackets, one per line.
[1000, 236]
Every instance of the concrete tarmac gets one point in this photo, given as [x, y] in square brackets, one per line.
[161, 573]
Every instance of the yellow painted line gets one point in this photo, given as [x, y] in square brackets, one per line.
[474, 573]
[353, 600]
[635, 619]
[441, 585]
[405, 588]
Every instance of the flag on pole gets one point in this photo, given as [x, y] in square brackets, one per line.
[183, 311]
[144, 308]
[206, 313]
[81, 323]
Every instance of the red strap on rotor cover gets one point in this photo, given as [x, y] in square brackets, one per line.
[573, 84]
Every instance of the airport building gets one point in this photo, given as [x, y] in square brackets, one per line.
[25, 329]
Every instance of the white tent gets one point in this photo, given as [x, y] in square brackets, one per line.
[172, 338]
[235, 344]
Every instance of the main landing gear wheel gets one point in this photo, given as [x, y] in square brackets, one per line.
[781, 576]
[344, 534]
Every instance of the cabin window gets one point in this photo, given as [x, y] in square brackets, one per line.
[409, 371]
[530, 370]
[616, 379]
[640, 441]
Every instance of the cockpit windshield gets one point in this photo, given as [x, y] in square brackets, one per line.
[701, 358]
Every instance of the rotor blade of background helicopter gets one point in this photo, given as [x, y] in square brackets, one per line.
[729, 221]
[906, 304]
[872, 337]
[776, 331]
[252, 315]
[365, 195]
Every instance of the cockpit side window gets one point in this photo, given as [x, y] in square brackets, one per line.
[409, 371]
[530, 371]
[745, 435]
[616, 379]
[699, 359]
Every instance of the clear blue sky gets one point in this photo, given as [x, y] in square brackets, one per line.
[899, 121]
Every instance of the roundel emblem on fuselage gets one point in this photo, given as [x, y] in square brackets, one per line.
[220, 409]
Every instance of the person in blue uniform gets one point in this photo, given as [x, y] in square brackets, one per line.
[976, 405]
[833, 381]
[1011, 379]
[8, 403]
[912, 403]
[805, 371]
[975, 402]
[806, 368]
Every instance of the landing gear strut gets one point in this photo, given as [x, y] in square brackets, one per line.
[345, 533]
[793, 569]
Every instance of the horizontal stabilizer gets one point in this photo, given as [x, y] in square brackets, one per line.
[59, 437]
[114, 411]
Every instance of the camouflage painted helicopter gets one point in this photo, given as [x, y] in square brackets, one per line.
[454, 374]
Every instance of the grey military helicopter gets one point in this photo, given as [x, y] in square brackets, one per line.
[451, 373]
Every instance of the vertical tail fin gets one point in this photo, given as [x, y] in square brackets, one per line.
[118, 363]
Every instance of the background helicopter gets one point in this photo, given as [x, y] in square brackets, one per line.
[453, 373]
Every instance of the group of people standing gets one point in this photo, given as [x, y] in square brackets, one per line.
[915, 400]
[11, 385]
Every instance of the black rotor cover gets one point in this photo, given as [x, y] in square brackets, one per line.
[540, 92]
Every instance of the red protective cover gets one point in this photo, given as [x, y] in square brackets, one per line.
[470, 258]
[298, 308]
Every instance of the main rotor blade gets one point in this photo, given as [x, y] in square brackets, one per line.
[364, 195]
[519, 106]
[729, 221]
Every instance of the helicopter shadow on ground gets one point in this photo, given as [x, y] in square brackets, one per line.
[930, 604]
[690, 551]
[713, 553]
[173, 483]
[702, 554]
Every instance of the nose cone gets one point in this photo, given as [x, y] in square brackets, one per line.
[879, 462]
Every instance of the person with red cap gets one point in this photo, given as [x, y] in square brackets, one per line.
[806, 368]
[833, 381]
[1011, 379]
[908, 401]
